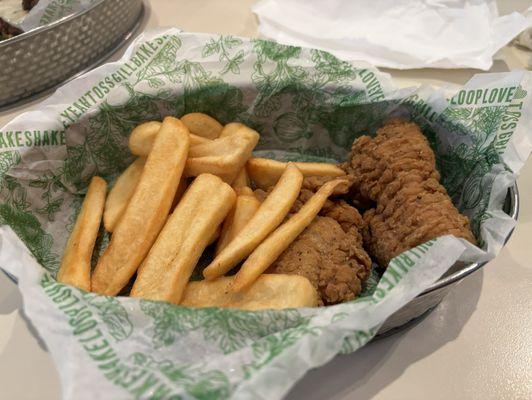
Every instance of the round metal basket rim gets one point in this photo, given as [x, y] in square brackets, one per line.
[28, 34]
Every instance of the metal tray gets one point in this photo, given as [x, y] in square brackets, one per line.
[430, 298]
[49, 55]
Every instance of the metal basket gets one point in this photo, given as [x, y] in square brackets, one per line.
[49, 55]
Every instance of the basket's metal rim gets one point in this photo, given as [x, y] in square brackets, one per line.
[51, 25]
[448, 280]
[470, 268]
[122, 41]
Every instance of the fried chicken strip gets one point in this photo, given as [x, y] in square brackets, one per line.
[397, 170]
[329, 251]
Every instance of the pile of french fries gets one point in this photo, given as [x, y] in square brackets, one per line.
[191, 186]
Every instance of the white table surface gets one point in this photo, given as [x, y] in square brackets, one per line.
[477, 344]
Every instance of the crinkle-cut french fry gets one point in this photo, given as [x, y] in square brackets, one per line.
[246, 206]
[279, 240]
[231, 156]
[202, 125]
[270, 291]
[76, 263]
[167, 268]
[268, 217]
[265, 172]
[121, 193]
[147, 210]
[142, 138]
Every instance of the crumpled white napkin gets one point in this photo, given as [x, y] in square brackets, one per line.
[399, 34]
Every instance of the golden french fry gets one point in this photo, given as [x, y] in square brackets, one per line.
[242, 179]
[167, 268]
[76, 263]
[265, 172]
[244, 191]
[147, 210]
[216, 147]
[245, 207]
[121, 193]
[142, 138]
[229, 157]
[268, 217]
[279, 240]
[197, 140]
[180, 191]
[202, 125]
[231, 128]
[214, 237]
[217, 165]
[270, 291]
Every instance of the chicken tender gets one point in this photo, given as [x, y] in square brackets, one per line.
[418, 212]
[397, 170]
[398, 149]
[329, 252]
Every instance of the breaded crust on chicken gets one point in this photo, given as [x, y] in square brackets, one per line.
[329, 252]
[397, 170]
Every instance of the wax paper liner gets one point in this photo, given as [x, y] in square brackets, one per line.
[307, 105]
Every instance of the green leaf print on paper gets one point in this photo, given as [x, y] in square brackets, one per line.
[229, 329]
[217, 99]
[200, 383]
[289, 127]
[104, 151]
[29, 230]
[163, 65]
[465, 166]
[330, 69]
[346, 122]
[302, 100]
[271, 346]
[271, 83]
[52, 193]
[113, 315]
[169, 321]
[223, 46]
[15, 211]
[210, 385]
[7, 160]
[202, 91]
